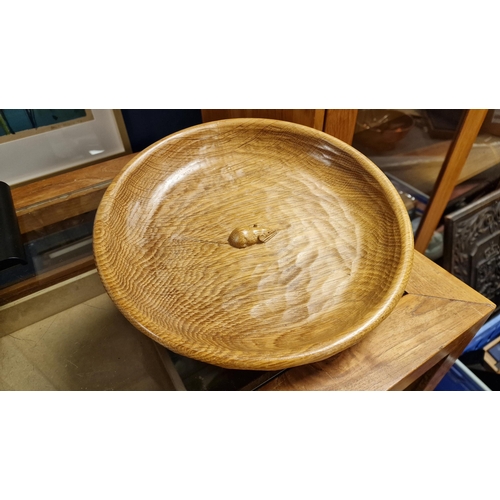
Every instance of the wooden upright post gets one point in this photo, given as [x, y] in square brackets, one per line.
[448, 176]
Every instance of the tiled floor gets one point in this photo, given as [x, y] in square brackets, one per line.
[90, 346]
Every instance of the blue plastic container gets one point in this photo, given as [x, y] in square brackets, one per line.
[460, 378]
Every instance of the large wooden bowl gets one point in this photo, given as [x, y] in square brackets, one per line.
[253, 244]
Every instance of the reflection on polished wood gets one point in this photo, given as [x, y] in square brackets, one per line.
[334, 270]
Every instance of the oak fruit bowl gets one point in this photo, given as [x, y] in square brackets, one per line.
[253, 244]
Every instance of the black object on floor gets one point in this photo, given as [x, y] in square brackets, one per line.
[11, 246]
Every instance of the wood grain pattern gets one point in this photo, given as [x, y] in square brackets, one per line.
[341, 123]
[412, 348]
[448, 176]
[437, 282]
[310, 117]
[396, 353]
[335, 269]
[337, 122]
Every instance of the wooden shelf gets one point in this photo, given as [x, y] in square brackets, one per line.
[417, 159]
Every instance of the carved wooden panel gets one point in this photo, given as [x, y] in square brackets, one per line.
[472, 245]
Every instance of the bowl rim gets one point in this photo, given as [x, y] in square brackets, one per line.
[273, 362]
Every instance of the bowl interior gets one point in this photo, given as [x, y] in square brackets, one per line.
[335, 266]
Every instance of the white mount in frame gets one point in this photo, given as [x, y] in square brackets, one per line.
[56, 150]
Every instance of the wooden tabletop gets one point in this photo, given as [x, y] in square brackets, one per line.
[412, 349]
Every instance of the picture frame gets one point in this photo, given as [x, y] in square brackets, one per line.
[57, 149]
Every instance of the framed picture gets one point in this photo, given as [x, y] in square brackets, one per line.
[37, 143]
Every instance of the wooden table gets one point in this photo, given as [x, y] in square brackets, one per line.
[412, 349]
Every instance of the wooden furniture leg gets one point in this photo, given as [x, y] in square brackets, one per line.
[430, 380]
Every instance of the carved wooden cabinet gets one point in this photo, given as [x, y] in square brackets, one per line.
[472, 245]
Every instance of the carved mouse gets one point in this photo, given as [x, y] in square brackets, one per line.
[242, 237]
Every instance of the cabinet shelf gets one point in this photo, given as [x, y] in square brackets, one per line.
[417, 159]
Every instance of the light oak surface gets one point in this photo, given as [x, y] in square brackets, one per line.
[412, 349]
[341, 123]
[414, 359]
[336, 265]
[310, 117]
